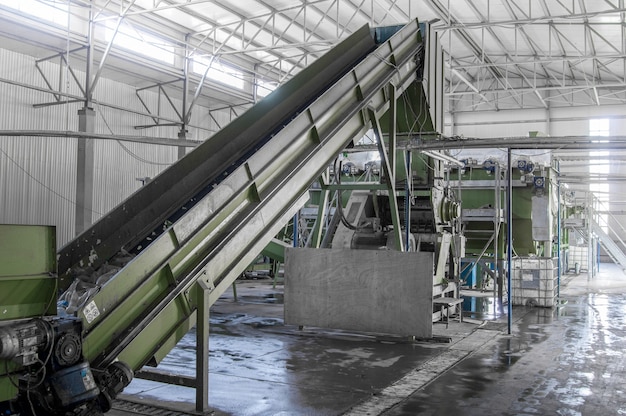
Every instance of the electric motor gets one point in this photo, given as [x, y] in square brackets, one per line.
[21, 342]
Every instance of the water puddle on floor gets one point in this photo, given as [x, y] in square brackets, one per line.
[479, 307]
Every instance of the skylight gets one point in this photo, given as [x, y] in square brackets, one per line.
[140, 42]
[597, 169]
[264, 88]
[55, 12]
[599, 127]
[218, 71]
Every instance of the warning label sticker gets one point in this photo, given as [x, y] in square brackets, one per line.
[91, 312]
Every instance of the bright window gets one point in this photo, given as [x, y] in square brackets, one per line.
[264, 88]
[51, 11]
[599, 127]
[140, 42]
[599, 168]
[218, 71]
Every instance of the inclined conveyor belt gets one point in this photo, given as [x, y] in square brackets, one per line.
[205, 218]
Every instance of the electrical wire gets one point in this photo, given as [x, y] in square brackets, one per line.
[52, 299]
[43, 184]
[30, 402]
[9, 373]
[139, 158]
[127, 150]
[342, 217]
[31, 387]
[48, 357]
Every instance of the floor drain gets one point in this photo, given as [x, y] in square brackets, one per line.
[144, 409]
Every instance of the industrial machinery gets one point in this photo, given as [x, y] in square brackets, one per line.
[131, 284]
[427, 209]
[44, 366]
[482, 184]
[383, 195]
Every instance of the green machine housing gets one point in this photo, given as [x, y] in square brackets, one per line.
[28, 284]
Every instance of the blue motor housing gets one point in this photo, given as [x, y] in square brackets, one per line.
[74, 385]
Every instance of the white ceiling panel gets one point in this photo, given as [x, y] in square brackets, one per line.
[497, 50]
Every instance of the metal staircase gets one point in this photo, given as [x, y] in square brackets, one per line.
[612, 249]
[599, 214]
[613, 246]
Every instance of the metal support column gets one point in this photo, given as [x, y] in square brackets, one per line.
[84, 171]
[509, 240]
[85, 147]
[202, 347]
[497, 280]
[590, 219]
[182, 134]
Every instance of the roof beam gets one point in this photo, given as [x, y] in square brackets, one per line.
[533, 20]
[479, 52]
[467, 82]
[525, 59]
[621, 86]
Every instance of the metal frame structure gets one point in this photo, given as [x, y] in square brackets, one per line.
[500, 54]
[497, 52]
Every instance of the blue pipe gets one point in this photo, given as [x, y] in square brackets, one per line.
[295, 230]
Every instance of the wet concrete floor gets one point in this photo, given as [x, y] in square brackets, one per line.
[562, 361]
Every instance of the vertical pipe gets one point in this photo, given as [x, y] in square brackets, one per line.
[509, 240]
[295, 230]
[558, 236]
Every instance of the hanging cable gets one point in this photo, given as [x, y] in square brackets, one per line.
[342, 217]
[127, 150]
[41, 183]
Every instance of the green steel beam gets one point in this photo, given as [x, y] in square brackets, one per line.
[322, 211]
[275, 250]
[388, 164]
[202, 348]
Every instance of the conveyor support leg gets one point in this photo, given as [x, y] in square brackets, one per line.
[202, 346]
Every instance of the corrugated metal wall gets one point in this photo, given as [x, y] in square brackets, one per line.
[35, 173]
[38, 175]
